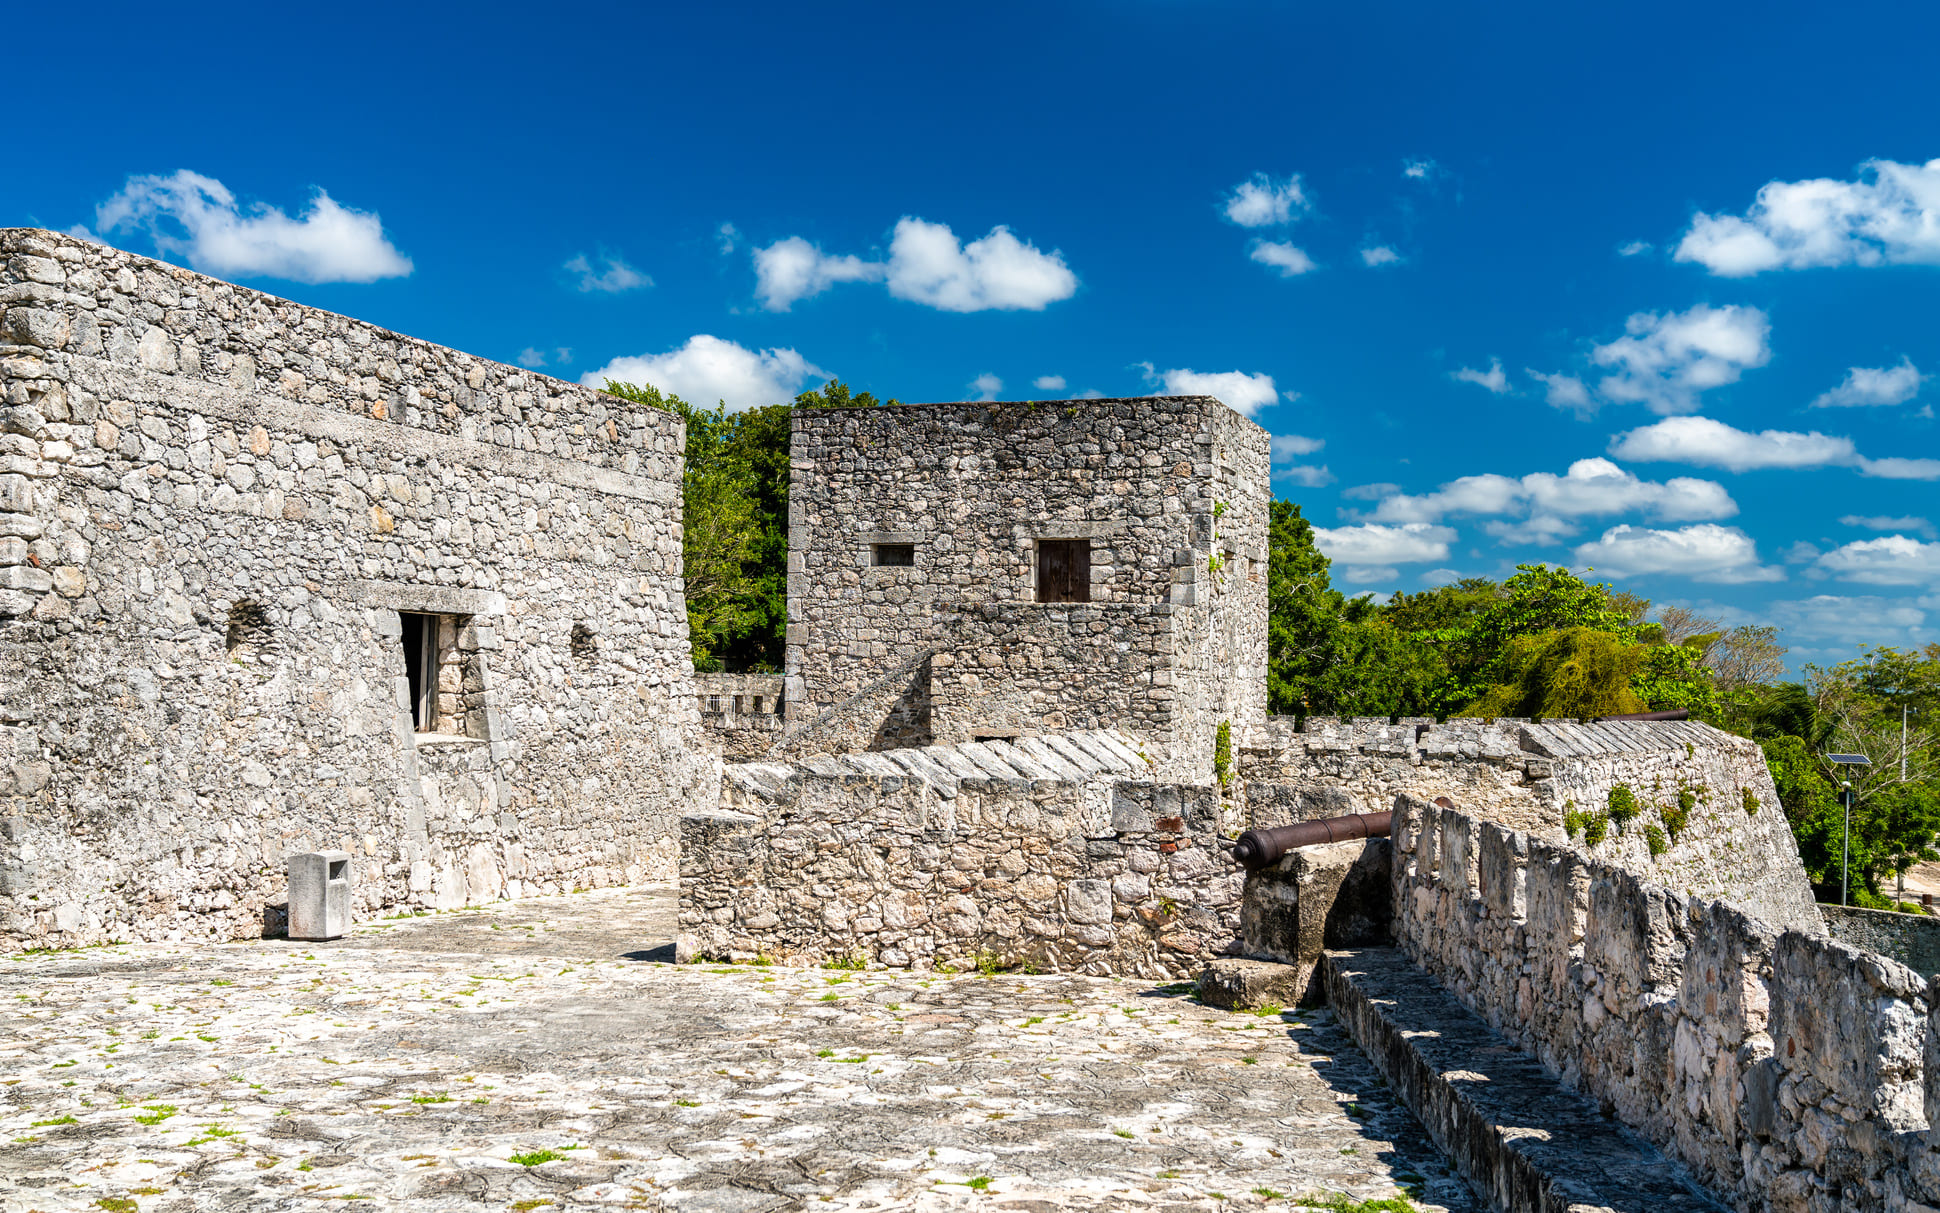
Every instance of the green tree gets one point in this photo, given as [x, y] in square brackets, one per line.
[1570, 672]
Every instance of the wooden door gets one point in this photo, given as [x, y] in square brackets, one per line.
[1064, 570]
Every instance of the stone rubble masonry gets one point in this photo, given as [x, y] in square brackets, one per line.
[213, 506]
[742, 713]
[1530, 776]
[1789, 1071]
[1057, 852]
[1911, 939]
[1170, 492]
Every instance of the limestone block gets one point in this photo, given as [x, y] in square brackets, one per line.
[319, 895]
[1236, 984]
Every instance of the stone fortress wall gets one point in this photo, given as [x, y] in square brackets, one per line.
[742, 713]
[1170, 493]
[1789, 1071]
[218, 512]
[1036, 845]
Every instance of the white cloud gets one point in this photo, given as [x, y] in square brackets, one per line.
[1705, 552]
[1636, 248]
[1890, 216]
[927, 265]
[1376, 255]
[1243, 393]
[1290, 261]
[329, 243]
[1888, 560]
[1305, 475]
[709, 369]
[1355, 574]
[1547, 504]
[1900, 469]
[1708, 443]
[531, 358]
[1440, 577]
[618, 275]
[1906, 523]
[1049, 383]
[1374, 544]
[729, 237]
[1263, 202]
[1873, 385]
[564, 353]
[1665, 362]
[1371, 492]
[1419, 170]
[793, 269]
[986, 386]
[1288, 446]
[1493, 379]
[1565, 391]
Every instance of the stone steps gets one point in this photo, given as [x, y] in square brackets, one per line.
[1520, 1139]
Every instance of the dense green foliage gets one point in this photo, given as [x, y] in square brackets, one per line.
[735, 503]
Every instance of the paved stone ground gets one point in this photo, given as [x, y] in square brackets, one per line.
[540, 1055]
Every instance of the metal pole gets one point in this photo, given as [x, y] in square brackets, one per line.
[1845, 865]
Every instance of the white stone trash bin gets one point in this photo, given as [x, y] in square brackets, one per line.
[320, 895]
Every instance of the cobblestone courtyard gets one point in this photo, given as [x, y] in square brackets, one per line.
[543, 1054]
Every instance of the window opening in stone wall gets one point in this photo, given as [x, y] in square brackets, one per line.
[248, 627]
[1064, 570]
[421, 667]
[895, 555]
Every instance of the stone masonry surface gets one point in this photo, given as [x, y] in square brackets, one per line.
[1790, 1072]
[742, 713]
[1169, 494]
[218, 510]
[406, 1067]
[1733, 842]
[1056, 852]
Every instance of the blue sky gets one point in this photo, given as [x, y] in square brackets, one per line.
[1446, 254]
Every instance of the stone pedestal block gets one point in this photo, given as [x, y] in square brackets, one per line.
[320, 895]
[1332, 896]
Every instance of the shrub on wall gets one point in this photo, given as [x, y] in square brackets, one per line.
[1223, 753]
[1623, 804]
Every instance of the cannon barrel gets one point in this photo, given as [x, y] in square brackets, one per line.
[1673, 714]
[1259, 848]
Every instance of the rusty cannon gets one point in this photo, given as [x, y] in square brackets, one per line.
[1262, 847]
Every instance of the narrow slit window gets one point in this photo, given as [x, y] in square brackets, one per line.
[895, 555]
[1064, 570]
[421, 668]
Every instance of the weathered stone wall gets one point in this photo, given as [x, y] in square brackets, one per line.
[1911, 939]
[1048, 852]
[742, 713]
[1732, 843]
[1791, 1072]
[955, 646]
[214, 504]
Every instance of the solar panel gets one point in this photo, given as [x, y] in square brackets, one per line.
[1850, 760]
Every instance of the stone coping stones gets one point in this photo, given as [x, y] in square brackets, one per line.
[1522, 1140]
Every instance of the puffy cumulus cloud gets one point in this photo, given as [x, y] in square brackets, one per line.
[1861, 619]
[1377, 545]
[1900, 469]
[1889, 216]
[1291, 262]
[1564, 391]
[793, 269]
[1376, 255]
[1492, 379]
[999, 272]
[1708, 443]
[197, 217]
[709, 369]
[1049, 383]
[617, 275]
[986, 386]
[1546, 505]
[928, 265]
[1665, 362]
[1865, 385]
[531, 358]
[1263, 202]
[1705, 552]
[1888, 560]
[1291, 446]
[1877, 523]
[1241, 392]
[1305, 475]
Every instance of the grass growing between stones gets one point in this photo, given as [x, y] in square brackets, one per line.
[536, 1157]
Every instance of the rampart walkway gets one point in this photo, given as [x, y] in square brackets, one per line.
[406, 1067]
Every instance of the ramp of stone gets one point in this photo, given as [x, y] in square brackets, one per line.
[1514, 1132]
[1068, 757]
